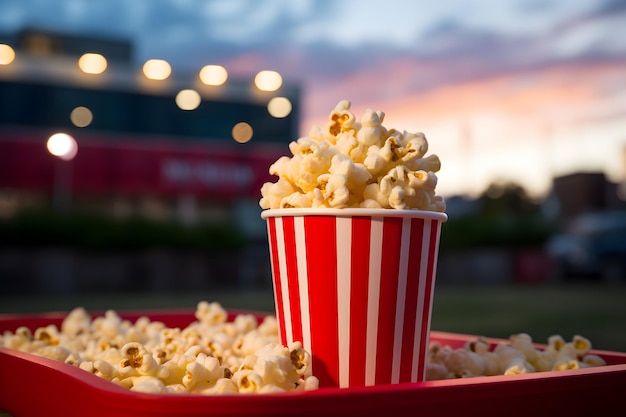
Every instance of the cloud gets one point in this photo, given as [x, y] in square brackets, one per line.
[356, 50]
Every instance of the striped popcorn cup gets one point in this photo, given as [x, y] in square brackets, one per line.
[355, 287]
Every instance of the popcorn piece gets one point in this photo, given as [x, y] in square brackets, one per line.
[436, 371]
[310, 383]
[221, 386]
[371, 128]
[544, 361]
[524, 343]
[581, 345]
[341, 119]
[518, 366]
[176, 389]
[104, 369]
[566, 364]
[591, 359]
[49, 335]
[19, 340]
[555, 343]
[248, 381]
[458, 364]
[108, 326]
[300, 358]
[355, 164]
[76, 322]
[210, 313]
[202, 372]
[147, 384]
[137, 360]
[58, 353]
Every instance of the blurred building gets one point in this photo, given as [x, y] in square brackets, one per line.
[167, 144]
[584, 192]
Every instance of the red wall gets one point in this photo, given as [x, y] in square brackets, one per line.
[127, 165]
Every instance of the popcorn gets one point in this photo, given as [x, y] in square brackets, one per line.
[213, 356]
[248, 381]
[147, 384]
[591, 359]
[581, 345]
[210, 356]
[355, 164]
[516, 356]
[203, 372]
[58, 353]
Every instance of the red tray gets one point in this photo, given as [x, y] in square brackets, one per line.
[35, 386]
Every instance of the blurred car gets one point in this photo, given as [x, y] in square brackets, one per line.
[594, 245]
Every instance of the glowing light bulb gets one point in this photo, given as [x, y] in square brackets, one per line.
[92, 63]
[81, 116]
[188, 99]
[242, 132]
[213, 75]
[279, 107]
[157, 69]
[7, 54]
[63, 146]
[268, 80]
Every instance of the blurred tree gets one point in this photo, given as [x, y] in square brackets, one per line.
[506, 217]
[507, 198]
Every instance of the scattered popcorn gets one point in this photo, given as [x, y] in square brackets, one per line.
[355, 164]
[213, 356]
[210, 356]
[517, 355]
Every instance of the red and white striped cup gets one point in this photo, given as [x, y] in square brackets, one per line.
[355, 286]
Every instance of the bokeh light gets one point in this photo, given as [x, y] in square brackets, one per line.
[242, 132]
[188, 99]
[279, 107]
[268, 80]
[157, 69]
[92, 63]
[81, 116]
[63, 146]
[7, 54]
[213, 75]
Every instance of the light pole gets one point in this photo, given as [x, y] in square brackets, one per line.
[64, 147]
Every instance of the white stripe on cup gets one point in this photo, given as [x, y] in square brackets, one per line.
[400, 300]
[273, 267]
[284, 286]
[432, 278]
[420, 299]
[303, 284]
[373, 295]
[344, 254]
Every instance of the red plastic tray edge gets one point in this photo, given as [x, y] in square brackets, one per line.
[100, 397]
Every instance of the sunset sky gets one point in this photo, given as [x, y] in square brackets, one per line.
[514, 90]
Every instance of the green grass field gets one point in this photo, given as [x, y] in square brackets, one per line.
[597, 312]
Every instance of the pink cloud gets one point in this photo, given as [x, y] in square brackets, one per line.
[564, 93]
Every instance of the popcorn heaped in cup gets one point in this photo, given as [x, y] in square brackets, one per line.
[355, 163]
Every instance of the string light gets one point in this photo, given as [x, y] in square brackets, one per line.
[279, 107]
[268, 80]
[213, 75]
[92, 63]
[63, 146]
[242, 132]
[188, 99]
[7, 54]
[81, 116]
[157, 69]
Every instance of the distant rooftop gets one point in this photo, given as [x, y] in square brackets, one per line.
[45, 43]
